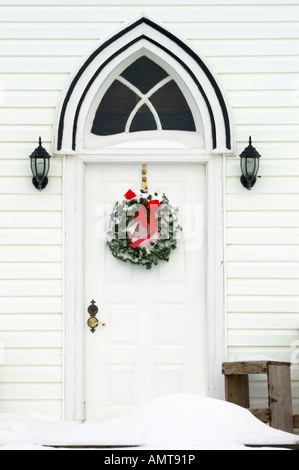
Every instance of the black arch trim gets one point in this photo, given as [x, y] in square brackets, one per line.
[203, 66]
[214, 137]
[80, 73]
[127, 46]
[174, 39]
[91, 82]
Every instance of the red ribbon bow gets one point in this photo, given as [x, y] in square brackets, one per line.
[144, 213]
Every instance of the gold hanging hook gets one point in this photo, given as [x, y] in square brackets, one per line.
[144, 176]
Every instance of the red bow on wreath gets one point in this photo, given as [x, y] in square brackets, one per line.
[146, 217]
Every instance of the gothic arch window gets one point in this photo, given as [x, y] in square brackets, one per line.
[144, 97]
[108, 103]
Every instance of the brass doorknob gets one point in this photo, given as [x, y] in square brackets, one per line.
[93, 322]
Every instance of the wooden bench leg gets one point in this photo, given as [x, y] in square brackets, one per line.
[280, 397]
[237, 390]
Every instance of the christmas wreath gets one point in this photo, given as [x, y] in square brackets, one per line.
[143, 228]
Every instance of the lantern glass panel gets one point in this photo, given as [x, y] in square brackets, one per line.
[33, 167]
[40, 167]
[243, 166]
[47, 166]
[249, 166]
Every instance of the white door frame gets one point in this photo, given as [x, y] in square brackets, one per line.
[75, 308]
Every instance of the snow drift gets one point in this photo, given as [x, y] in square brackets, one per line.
[174, 422]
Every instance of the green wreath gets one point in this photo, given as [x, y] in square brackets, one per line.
[157, 223]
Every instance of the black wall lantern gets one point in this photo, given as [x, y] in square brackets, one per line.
[249, 165]
[40, 165]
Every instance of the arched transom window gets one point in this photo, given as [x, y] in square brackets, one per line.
[142, 88]
[144, 97]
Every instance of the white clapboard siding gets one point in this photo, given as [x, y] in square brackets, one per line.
[262, 81]
[265, 321]
[178, 12]
[30, 100]
[22, 185]
[30, 391]
[30, 322]
[263, 253]
[28, 236]
[30, 374]
[29, 202]
[247, 48]
[42, 117]
[261, 338]
[32, 82]
[52, 48]
[20, 288]
[267, 98]
[213, 48]
[271, 185]
[31, 270]
[25, 133]
[262, 236]
[263, 202]
[272, 150]
[263, 287]
[195, 29]
[37, 65]
[145, 3]
[33, 356]
[253, 48]
[38, 219]
[9, 167]
[278, 116]
[33, 304]
[30, 406]
[38, 339]
[17, 254]
[268, 133]
[31, 237]
[262, 269]
[253, 65]
[263, 219]
[19, 150]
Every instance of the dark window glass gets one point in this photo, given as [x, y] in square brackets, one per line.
[114, 110]
[144, 120]
[144, 74]
[172, 108]
[120, 101]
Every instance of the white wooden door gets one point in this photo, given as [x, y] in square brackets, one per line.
[154, 340]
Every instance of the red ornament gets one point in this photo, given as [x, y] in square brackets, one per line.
[130, 194]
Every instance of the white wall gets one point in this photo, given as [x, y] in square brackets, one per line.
[30, 284]
[253, 47]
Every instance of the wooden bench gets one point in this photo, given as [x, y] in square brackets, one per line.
[280, 411]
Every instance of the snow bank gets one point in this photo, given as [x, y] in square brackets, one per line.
[178, 422]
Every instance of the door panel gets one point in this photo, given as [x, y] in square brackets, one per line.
[153, 342]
